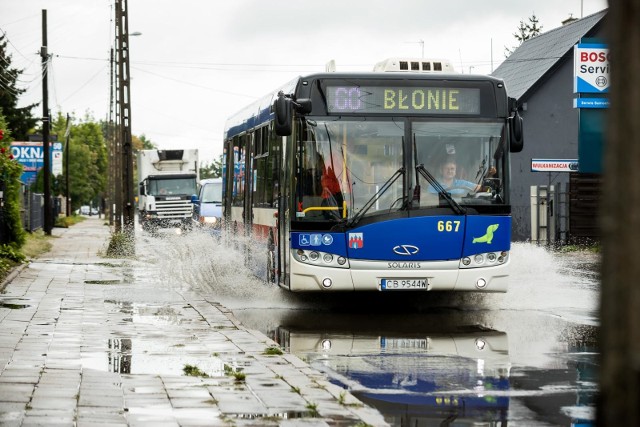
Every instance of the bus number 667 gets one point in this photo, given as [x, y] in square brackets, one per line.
[448, 226]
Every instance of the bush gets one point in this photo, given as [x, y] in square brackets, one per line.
[10, 171]
[67, 221]
[10, 253]
[121, 245]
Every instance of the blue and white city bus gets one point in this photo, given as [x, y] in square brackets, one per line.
[340, 182]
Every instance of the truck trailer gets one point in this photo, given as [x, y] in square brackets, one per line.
[167, 187]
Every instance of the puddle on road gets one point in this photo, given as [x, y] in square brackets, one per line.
[143, 356]
[103, 282]
[549, 316]
[276, 416]
[12, 306]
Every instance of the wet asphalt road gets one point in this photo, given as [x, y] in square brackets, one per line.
[525, 358]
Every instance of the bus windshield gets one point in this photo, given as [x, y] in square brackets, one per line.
[347, 166]
[354, 168]
[465, 158]
[172, 186]
[212, 193]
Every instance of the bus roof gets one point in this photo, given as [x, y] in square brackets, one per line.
[423, 65]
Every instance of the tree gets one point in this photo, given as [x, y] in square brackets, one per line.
[146, 143]
[525, 32]
[18, 120]
[620, 225]
[87, 161]
[11, 230]
[211, 170]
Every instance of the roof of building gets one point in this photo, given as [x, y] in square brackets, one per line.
[534, 58]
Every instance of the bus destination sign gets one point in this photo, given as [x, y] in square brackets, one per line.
[403, 100]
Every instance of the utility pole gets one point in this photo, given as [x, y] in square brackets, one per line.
[48, 223]
[124, 104]
[111, 141]
[66, 159]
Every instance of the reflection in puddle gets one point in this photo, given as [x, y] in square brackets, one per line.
[413, 377]
[445, 366]
[276, 416]
[119, 355]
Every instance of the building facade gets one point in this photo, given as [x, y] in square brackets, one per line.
[539, 74]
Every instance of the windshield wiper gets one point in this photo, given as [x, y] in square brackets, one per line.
[440, 190]
[357, 217]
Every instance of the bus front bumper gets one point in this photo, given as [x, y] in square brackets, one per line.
[369, 276]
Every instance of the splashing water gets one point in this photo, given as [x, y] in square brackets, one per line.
[216, 267]
[546, 280]
[540, 279]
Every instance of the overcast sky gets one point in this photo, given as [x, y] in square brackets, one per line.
[197, 62]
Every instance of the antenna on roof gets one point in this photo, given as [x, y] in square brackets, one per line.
[330, 67]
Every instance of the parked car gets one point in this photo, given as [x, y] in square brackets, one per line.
[85, 210]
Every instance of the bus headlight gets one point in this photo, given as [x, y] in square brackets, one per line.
[322, 259]
[485, 259]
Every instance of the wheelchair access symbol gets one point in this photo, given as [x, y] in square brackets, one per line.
[310, 239]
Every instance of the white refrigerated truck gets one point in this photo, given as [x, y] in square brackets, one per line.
[167, 187]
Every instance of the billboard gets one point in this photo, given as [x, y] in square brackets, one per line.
[591, 68]
[591, 77]
[30, 155]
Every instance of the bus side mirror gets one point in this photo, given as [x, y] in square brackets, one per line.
[303, 106]
[517, 133]
[283, 112]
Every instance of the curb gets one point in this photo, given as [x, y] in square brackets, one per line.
[12, 274]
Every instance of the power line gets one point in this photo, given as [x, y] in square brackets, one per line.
[4, 33]
[100, 71]
[194, 84]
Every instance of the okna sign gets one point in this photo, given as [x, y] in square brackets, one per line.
[30, 155]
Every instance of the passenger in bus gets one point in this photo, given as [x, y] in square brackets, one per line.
[451, 184]
[310, 188]
[331, 192]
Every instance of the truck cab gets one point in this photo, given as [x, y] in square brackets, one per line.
[167, 182]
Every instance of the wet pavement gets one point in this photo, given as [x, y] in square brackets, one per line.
[92, 341]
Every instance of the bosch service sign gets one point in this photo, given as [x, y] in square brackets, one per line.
[591, 68]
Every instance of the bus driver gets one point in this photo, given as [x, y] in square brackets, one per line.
[451, 184]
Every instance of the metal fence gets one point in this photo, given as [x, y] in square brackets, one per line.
[566, 214]
[550, 214]
[32, 209]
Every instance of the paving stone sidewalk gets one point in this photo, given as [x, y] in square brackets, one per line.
[92, 341]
